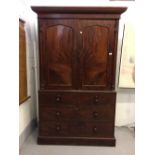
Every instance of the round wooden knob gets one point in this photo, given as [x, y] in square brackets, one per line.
[96, 99]
[58, 128]
[95, 114]
[58, 98]
[95, 129]
[58, 113]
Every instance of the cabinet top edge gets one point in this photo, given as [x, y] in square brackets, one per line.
[90, 10]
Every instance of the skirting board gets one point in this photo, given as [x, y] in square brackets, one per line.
[27, 131]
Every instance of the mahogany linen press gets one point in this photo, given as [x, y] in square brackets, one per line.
[77, 61]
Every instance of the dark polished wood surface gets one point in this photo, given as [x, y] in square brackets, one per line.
[96, 40]
[87, 113]
[77, 50]
[92, 10]
[59, 45]
[44, 140]
[77, 54]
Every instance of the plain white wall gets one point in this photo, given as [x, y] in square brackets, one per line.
[125, 107]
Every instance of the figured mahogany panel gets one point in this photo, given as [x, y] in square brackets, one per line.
[59, 46]
[95, 50]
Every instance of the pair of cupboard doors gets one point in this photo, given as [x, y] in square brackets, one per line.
[77, 53]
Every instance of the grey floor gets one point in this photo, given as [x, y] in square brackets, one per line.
[125, 146]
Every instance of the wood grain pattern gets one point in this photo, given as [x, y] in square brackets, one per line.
[73, 60]
[58, 63]
[96, 44]
[59, 45]
[95, 51]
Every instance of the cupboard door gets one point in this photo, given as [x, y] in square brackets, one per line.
[96, 53]
[57, 54]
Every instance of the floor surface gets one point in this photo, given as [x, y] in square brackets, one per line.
[125, 145]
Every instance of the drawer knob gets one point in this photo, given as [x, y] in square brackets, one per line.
[95, 114]
[58, 98]
[58, 113]
[96, 99]
[94, 129]
[58, 128]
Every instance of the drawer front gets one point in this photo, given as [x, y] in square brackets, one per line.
[96, 98]
[78, 128]
[56, 98]
[96, 113]
[77, 112]
[77, 98]
[48, 113]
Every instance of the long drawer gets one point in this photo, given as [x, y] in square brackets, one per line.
[67, 98]
[75, 129]
[77, 112]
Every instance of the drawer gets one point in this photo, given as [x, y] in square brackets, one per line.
[56, 98]
[77, 112]
[96, 98]
[79, 128]
[96, 113]
[49, 113]
[76, 97]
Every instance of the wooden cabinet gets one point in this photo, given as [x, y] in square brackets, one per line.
[78, 48]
